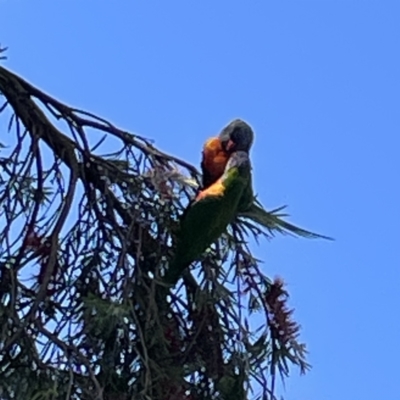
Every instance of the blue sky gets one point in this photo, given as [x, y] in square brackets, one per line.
[318, 81]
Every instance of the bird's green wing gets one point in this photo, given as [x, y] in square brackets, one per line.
[207, 218]
[247, 198]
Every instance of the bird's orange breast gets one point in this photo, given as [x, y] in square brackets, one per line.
[214, 159]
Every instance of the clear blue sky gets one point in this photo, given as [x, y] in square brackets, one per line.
[319, 82]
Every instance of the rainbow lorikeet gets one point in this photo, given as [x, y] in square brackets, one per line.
[208, 216]
[236, 136]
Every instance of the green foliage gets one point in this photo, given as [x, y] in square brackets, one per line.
[85, 241]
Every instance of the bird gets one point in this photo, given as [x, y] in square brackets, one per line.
[239, 136]
[209, 214]
[236, 136]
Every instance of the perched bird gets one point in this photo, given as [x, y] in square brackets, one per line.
[208, 216]
[236, 136]
[239, 136]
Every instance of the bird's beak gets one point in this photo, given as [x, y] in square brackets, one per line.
[230, 145]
